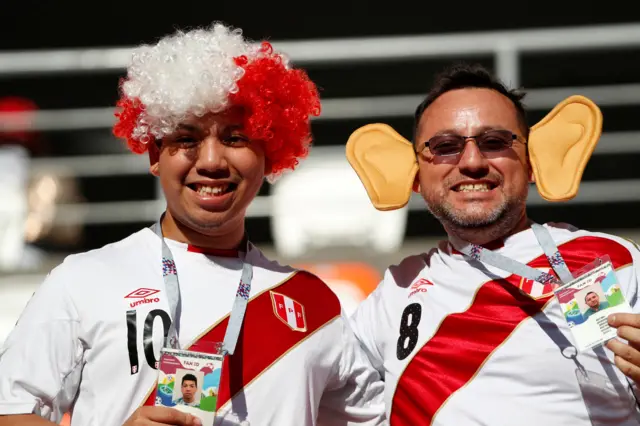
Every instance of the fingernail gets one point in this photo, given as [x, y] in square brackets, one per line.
[612, 319]
[197, 422]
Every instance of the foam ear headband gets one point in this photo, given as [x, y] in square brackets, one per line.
[560, 146]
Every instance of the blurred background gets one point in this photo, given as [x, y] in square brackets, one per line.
[67, 185]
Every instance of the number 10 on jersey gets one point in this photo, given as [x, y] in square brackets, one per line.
[147, 337]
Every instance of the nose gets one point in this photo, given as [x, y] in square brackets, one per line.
[211, 156]
[472, 162]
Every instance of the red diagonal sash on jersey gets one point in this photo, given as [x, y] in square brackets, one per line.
[265, 337]
[465, 340]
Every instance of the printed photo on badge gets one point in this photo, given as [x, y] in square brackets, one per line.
[189, 382]
[190, 392]
[586, 303]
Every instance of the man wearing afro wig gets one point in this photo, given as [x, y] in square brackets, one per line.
[216, 114]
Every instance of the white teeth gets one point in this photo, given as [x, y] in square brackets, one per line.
[211, 190]
[482, 187]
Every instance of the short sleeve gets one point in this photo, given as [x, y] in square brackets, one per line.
[367, 323]
[41, 360]
[357, 396]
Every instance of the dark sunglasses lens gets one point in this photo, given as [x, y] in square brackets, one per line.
[447, 145]
[495, 141]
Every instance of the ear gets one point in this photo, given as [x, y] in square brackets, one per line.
[560, 146]
[531, 177]
[154, 158]
[386, 164]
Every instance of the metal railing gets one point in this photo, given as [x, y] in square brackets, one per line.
[505, 46]
[371, 107]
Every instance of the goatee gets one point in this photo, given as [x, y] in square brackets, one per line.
[477, 225]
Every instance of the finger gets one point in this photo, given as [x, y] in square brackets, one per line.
[627, 368]
[620, 319]
[184, 419]
[630, 334]
[170, 416]
[624, 351]
[140, 417]
[147, 422]
[193, 421]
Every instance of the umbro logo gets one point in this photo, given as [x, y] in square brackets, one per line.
[141, 292]
[143, 295]
[419, 286]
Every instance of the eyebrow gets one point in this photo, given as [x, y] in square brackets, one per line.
[188, 127]
[481, 130]
[195, 128]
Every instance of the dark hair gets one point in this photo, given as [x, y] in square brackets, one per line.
[585, 296]
[189, 377]
[461, 76]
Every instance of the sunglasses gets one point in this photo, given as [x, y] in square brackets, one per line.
[490, 141]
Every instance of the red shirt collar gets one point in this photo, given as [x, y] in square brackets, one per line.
[213, 251]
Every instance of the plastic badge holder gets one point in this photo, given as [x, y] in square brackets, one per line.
[189, 381]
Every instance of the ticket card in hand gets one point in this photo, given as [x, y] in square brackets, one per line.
[189, 381]
[588, 300]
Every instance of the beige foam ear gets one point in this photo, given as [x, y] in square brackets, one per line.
[561, 144]
[386, 164]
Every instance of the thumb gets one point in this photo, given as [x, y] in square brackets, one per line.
[193, 421]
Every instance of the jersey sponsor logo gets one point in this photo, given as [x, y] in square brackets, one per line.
[142, 294]
[289, 311]
[419, 286]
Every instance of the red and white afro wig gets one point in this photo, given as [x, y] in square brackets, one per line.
[209, 70]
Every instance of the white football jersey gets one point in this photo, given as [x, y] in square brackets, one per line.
[89, 341]
[462, 345]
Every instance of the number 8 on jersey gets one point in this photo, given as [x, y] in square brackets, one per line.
[408, 338]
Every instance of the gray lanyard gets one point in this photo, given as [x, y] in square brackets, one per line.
[506, 264]
[170, 276]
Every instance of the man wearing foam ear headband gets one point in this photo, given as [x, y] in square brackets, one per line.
[476, 331]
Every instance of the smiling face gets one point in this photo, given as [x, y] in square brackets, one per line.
[593, 300]
[209, 172]
[473, 190]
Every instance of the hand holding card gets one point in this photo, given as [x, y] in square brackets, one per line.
[627, 355]
[147, 416]
[588, 300]
[189, 382]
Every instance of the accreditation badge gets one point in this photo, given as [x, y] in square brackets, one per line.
[189, 381]
[588, 300]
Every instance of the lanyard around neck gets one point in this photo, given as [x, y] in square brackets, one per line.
[509, 265]
[172, 286]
